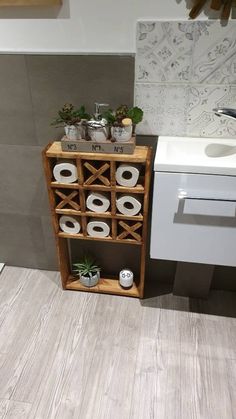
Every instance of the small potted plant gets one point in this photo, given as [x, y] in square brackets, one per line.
[73, 120]
[88, 272]
[123, 122]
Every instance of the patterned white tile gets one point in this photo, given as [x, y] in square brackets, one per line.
[164, 51]
[183, 70]
[201, 119]
[164, 108]
[214, 53]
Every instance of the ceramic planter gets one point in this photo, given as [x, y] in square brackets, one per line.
[74, 132]
[122, 134]
[88, 281]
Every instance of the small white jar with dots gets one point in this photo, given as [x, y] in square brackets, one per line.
[126, 278]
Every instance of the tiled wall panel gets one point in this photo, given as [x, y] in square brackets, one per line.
[183, 70]
[32, 89]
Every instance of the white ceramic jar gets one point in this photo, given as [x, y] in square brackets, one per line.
[126, 278]
[98, 130]
[74, 132]
[122, 134]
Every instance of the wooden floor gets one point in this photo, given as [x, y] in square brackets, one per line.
[66, 354]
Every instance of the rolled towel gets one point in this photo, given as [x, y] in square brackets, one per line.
[127, 174]
[98, 227]
[65, 172]
[69, 224]
[98, 202]
[129, 204]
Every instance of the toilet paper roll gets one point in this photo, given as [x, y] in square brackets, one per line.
[69, 224]
[98, 228]
[65, 172]
[127, 174]
[97, 202]
[128, 204]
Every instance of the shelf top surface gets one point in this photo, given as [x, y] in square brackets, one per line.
[54, 150]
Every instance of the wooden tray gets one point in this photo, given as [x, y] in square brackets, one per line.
[108, 147]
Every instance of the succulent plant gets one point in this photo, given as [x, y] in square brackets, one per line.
[123, 115]
[86, 267]
[69, 115]
[121, 112]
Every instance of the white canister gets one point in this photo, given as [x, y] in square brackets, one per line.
[74, 132]
[126, 278]
[122, 134]
[99, 135]
[98, 130]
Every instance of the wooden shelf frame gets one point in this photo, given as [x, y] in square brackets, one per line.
[129, 230]
[30, 3]
[139, 189]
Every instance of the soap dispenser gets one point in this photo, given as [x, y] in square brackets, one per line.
[98, 129]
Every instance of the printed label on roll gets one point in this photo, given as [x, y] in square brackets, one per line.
[128, 204]
[65, 173]
[127, 174]
[98, 228]
[98, 202]
[69, 224]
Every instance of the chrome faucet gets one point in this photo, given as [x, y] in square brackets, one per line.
[229, 112]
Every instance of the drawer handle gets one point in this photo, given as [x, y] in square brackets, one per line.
[183, 195]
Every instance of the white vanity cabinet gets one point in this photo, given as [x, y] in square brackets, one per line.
[194, 218]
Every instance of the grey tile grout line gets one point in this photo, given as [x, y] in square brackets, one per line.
[31, 98]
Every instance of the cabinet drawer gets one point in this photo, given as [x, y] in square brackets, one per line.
[194, 218]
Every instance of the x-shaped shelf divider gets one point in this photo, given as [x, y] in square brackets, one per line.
[67, 200]
[128, 229]
[97, 174]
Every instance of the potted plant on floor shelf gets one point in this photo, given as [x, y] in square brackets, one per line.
[123, 122]
[73, 120]
[88, 272]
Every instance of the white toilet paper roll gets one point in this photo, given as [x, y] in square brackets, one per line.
[128, 204]
[98, 228]
[97, 202]
[69, 224]
[65, 172]
[127, 174]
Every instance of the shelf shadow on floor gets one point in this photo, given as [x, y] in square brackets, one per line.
[219, 302]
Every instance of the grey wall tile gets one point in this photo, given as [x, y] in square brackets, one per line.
[49, 244]
[214, 53]
[202, 121]
[16, 122]
[21, 241]
[165, 108]
[164, 51]
[22, 186]
[79, 80]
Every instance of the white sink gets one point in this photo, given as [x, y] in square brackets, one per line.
[196, 155]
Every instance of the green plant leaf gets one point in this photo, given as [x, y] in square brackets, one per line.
[109, 116]
[136, 114]
[85, 267]
[68, 115]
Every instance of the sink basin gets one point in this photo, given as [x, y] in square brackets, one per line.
[196, 155]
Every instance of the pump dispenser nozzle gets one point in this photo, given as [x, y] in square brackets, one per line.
[97, 113]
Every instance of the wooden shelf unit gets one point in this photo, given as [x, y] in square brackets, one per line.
[30, 2]
[96, 172]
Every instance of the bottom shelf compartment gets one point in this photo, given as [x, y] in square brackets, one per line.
[111, 258]
[105, 286]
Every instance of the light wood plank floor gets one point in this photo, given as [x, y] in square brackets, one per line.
[72, 355]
